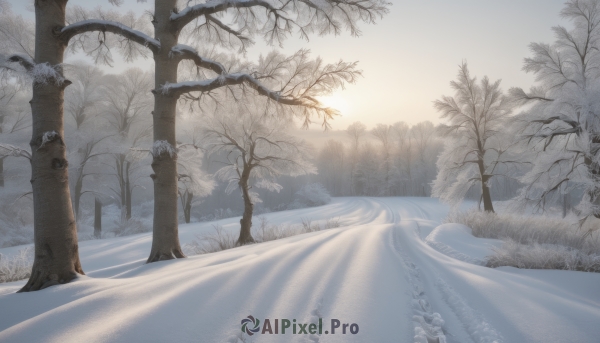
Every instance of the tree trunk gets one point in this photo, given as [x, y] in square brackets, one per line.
[97, 218]
[165, 235]
[1, 159]
[77, 197]
[55, 231]
[1, 172]
[187, 208]
[485, 194]
[128, 192]
[246, 221]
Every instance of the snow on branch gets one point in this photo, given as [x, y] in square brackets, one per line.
[161, 147]
[186, 52]
[14, 151]
[117, 28]
[294, 80]
[191, 12]
[47, 137]
[177, 89]
[24, 60]
[44, 73]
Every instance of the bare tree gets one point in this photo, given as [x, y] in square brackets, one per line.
[84, 93]
[476, 115]
[383, 133]
[258, 149]
[193, 181]
[126, 105]
[87, 151]
[355, 131]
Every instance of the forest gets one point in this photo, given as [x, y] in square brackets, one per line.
[196, 169]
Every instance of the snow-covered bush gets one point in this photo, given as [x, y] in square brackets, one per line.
[543, 256]
[312, 194]
[17, 267]
[533, 241]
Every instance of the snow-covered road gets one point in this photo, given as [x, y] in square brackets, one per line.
[375, 271]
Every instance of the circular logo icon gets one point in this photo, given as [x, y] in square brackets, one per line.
[250, 325]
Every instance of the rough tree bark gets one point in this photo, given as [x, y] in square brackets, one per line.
[165, 240]
[55, 231]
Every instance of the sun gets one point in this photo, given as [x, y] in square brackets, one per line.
[337, 102]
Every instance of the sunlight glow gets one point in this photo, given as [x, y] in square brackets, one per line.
[338, 102]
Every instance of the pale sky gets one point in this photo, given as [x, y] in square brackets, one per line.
[412, 54]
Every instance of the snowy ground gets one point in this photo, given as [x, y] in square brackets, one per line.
[391, 268]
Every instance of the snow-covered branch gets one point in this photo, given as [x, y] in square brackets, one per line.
[117, 28]
[186, 52]
[190, 13]
[24, 60]
[7, 150]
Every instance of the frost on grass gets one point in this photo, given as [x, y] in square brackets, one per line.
[534, 242]
[17, 267]
[543, 256]
[161, 147]
[221, 239]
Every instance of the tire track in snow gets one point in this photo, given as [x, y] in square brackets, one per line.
[429, 325]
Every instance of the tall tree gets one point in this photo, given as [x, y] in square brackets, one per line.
[275, 20]
[562, 129]
[258, 149]
[476, 115]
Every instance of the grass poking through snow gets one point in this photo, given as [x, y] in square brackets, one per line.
[534, 242]
[221, 239]
[17, 267]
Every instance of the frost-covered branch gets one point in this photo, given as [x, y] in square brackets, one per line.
[24, 60]
[275, 20]
[91, 25]
[186, 52]
[7, 150]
